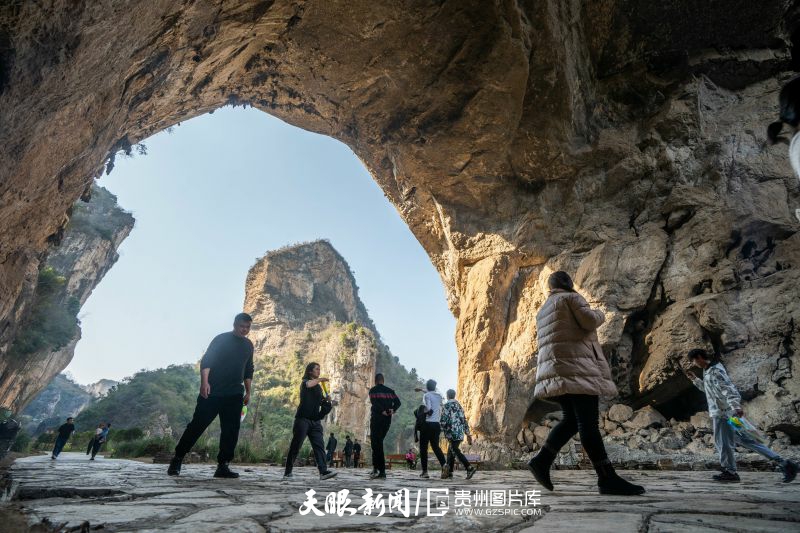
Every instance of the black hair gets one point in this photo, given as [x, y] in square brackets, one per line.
[451, 394]
[699, 353]
[242, 317]
[560, 280]
[379, 377]
[789, 109]
[430, 385]
[309, 368]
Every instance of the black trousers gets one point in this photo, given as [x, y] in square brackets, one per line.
[229, 410]
[580, 415]
[430, 435]
[452, 452]
[348, 460]
[356, 459]
[302, 428]
[378, 428]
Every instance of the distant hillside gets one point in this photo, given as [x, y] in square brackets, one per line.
[100, 388]
[160, 402]
[62, 398]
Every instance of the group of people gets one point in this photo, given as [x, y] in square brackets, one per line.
[571, 371]
[351, 451]
[66, 429]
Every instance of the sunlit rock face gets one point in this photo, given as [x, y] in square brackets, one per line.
[619, 140]
[44, 344]
[305, 308]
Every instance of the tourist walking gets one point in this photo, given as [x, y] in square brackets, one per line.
[724, 402]
[64, 431]
[100, 439]
[431, 431]
[572, 371]
[356, 453]
[226, 374]
[384, 404]
[331, 449]
[97, 432]
[308, 422]
[348, 452]
[455, 427]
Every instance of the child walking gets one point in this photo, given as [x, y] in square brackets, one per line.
[724, 401]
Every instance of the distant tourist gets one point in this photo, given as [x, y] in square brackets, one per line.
[314, 406]
[331, 448]
[348, 452]
[572, 371]
[384, 404]
[724, 401]
[411, 459]
[97, 432]
[226, 365]
[455, 427]
[356, 453]
[100, 439]
[64, 431]
[431, 431]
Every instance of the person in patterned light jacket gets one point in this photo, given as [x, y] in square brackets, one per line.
[724, 401]
[455, 427]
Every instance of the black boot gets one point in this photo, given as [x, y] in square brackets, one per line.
[224, 471]
[540, 466]
[610, 483]
[175, 466]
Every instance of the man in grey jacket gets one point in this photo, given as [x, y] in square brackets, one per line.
[724, 401]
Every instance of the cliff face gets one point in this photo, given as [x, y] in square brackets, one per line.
[620, 140]
[45, 341]
[305, 307]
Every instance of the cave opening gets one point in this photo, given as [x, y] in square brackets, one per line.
[214, 192]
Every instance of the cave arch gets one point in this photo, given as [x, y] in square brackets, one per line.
[510, 136]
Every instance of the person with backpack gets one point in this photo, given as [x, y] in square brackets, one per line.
[431, 430]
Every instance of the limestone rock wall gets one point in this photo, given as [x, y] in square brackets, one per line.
[621, 140]
[305, 307]
[73, 268]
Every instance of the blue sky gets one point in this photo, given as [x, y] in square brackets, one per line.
[216, 194]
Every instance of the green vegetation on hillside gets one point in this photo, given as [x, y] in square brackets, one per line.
[148, 400]
[52, 321]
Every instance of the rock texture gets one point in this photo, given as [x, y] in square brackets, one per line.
[117, 495]
[620, 140]
[45, 343]
[305, 307]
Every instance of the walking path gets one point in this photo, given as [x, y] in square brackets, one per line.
[131, 496]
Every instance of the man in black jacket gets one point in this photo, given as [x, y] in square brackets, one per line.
[331, 448]
[227, 364]
[64, 431]
[356, 453]
[307, 422]
[384, 403]
[348, 452]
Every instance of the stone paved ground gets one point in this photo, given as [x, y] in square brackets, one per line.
[130, 496]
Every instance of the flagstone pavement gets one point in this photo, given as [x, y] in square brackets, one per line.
[121, 495]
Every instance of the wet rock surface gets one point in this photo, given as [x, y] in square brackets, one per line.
[131, 496]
